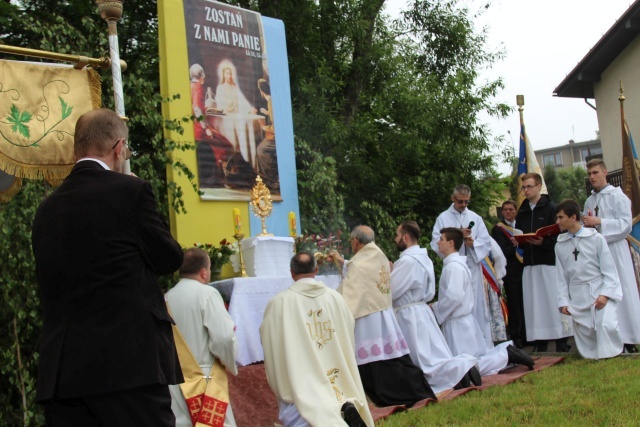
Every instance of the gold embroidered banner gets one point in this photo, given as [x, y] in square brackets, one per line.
[39, 107]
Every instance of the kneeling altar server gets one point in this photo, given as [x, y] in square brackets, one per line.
[588, 285]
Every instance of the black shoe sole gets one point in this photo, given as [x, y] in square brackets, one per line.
[351, 416]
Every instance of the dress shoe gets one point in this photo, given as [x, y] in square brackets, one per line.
[518, 343]
[631, 348]
[465, 382]
[520, 357]
[474, 376]
[540, 346]
[351, 416]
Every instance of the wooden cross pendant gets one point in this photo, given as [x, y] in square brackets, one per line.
[575, 253]
[597, 209]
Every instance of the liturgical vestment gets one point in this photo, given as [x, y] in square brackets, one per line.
[308, 340]
[413, 284]
[614, 210]
[585, 269]
[453, 310]
[208, 330]
[473, 255]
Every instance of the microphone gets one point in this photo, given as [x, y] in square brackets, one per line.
[471, 224]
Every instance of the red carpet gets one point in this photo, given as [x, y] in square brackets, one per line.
[254, 405]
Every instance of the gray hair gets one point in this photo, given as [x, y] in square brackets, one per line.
[363, 234]
[462, 190]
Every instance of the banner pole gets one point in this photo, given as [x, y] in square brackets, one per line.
[111, 11]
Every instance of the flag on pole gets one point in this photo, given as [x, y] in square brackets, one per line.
[630, 184]
[527, 163]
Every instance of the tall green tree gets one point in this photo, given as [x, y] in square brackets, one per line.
[393, 102]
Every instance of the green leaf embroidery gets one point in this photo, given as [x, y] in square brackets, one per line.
[66, 108]
[19, 120]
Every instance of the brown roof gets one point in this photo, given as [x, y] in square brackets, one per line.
[579, 82]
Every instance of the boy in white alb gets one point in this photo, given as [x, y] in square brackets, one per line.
[454, 309]
[588, 285]
[608, 210]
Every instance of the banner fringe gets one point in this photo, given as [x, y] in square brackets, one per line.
[7, 194]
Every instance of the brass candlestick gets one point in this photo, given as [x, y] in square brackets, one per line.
[239, 237]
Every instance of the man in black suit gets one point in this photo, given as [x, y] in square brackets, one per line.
[107, 353]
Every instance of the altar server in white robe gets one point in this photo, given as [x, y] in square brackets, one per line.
[477, 245]
[453, 310]
[608, 209]
[388, 374]
[413, 285]
[308, 341]
[588, 286]
[205, 324]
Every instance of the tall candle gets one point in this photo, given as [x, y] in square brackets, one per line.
[292, 224]
[237, 225]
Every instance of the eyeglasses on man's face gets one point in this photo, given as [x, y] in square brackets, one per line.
[529, 187]
[128, 151]
[462, 202]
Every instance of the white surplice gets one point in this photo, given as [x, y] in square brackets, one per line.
[208, 330]
[378, 334]
[309, 359]
[413, 284]
[614, 210]
[481, 248]
[453, 310]
[585, 270]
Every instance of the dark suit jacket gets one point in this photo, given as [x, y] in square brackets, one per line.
[99, 243]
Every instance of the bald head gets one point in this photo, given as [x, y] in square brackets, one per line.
[96, 133]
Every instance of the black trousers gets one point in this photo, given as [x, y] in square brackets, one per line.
[148, 406]
[395, 382]
[513, 287]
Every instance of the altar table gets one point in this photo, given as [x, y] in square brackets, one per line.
[248, 298]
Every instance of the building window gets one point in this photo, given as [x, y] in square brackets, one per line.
[554, 159]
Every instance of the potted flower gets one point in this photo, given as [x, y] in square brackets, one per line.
[219, 255]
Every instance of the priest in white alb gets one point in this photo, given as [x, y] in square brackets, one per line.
[608, 209]
[453, 310]
[588, 286]
[308, 341]
[206, 326]
[413, 285]
[388, 375]
[477, 245]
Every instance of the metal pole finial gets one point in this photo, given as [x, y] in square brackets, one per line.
[621, 97]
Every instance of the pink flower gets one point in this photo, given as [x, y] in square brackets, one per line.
[388, 348]
[362, 353]
[375, 350]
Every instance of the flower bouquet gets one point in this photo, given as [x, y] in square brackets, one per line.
[321, 246]
[219, 255]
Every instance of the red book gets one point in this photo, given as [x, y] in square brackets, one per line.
[548, 231]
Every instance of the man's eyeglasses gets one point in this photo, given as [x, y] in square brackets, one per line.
[128, 151]
[529, 187]
[461, 202]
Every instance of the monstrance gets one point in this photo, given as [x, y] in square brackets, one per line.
[261, 203]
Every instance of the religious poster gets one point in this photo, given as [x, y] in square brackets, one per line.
[231, 100]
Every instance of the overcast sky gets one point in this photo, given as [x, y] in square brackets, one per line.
[544, 40]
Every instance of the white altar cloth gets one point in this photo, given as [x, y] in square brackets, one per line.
[248, 299]
[267, 256]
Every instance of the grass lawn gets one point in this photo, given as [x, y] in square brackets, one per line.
[576, 392]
